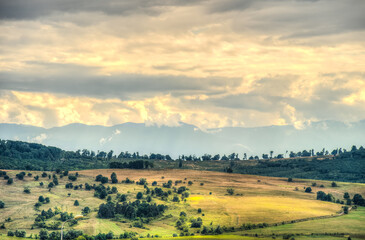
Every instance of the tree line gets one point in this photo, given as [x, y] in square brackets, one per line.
[25, 150]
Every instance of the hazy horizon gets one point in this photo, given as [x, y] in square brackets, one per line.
[190, 140]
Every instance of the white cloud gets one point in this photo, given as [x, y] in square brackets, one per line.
[38, 139]
[105, 140]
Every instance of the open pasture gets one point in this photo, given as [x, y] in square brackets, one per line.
[255, 200]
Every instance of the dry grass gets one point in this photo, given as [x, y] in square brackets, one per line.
[260, 199]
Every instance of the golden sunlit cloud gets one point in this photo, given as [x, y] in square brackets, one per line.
[202, 63]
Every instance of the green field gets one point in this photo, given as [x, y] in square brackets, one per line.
[350, 224]
[256, 200]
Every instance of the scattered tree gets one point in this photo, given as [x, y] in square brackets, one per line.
[346, 195]
[230, 191]
[10, 181]
[26, 190]
[139, 195]
[308, 190]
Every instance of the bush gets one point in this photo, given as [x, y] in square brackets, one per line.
[290, 179]
[43, 234]
[333, 184]
[175, 199]
[346, 195]
[2, 204]
[104, 180]
[346, 210]
[26, 190]
[20, 176]
[358, 200]
[98, 178]
[114, 180]
[21, 233]
[123, 198]
[114, 190]
[308, 190]
[41, 199]
[86, 210]
[110, 235]
[76, 203]
[10, 181]
[142, 181]
[230, 191]
[139, 195]
[72, 178]
[196, 223]
[55, 181]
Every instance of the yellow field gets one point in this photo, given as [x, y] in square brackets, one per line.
[234, 211]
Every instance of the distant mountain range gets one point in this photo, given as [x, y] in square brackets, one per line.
[188, 139]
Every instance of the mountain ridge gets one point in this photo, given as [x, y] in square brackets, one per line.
[189, 139]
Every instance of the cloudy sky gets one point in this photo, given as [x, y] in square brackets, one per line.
[211, 63]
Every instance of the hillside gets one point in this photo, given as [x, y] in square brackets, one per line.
[255, 201]
[344, 166]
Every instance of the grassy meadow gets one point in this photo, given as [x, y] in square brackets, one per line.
[256, 200]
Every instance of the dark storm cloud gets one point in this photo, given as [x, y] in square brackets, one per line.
[32, 9]
[285, 19]
[293, 19]
[230, 5]
[86, 81]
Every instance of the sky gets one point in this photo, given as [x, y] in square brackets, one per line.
[210, 63]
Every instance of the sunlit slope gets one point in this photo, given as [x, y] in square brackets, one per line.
[256, 199]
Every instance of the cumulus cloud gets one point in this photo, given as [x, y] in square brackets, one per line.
[210, 63]
[38, 139]
[105, 140]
